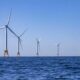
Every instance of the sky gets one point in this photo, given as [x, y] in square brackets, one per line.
[51, 21]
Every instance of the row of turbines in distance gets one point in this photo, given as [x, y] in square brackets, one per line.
[7, 28]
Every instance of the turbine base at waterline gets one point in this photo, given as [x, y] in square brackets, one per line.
[6, 53]
[18, 54]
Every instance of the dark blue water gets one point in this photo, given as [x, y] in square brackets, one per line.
[40, 68]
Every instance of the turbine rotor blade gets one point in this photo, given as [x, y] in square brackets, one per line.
[20, 43]
[2, 28]
[23, 32]
[12, 31]
[9, 17]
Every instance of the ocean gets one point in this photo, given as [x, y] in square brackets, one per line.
[39, 68]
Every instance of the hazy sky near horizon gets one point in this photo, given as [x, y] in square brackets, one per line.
[52, 21]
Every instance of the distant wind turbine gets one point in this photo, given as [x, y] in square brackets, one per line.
[19, 42]
[58, 49]
[38, 47]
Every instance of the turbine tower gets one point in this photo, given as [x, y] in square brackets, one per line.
[38, 47]
[58, 49]
[19, 42]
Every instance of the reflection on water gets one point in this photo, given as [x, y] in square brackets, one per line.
[40, 68]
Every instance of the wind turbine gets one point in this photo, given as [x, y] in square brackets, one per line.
[38, 47]
[19, 42]
[8, 28]
[58, 49]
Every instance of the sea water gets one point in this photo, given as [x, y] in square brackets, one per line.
[39, 68]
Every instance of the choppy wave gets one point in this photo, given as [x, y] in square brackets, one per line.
[40, 68]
